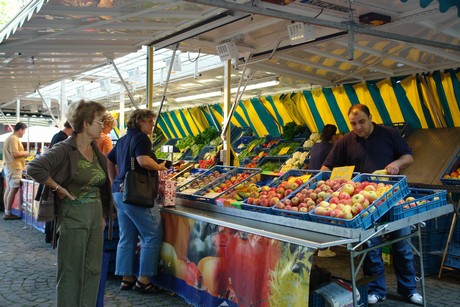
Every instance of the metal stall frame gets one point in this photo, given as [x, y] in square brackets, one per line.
[309, 234]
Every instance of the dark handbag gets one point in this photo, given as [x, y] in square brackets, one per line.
[139, 188]
[47, 206]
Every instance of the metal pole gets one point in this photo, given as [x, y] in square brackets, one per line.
[124, 84]
[163, 98]
[47, 106]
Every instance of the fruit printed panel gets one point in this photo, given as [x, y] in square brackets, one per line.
[360, 202]
[217, 266]
[418, 201]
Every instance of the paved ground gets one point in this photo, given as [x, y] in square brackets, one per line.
[27, 276]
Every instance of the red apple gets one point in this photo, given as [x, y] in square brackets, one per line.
[348, 188]
[295, 201]
[358, 198]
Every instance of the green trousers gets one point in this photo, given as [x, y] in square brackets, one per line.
[79, 254]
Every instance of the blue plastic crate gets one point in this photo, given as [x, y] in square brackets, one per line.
[185, 190]
[454, 248]
[241, 143]
[246, 206]
[204, 195]
[452, 261]
[317, 300]
[377, 209]
[431, 264]
[453, 165]
[431, 198]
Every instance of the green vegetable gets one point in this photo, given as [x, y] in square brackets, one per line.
[185, 143]
[291, 129]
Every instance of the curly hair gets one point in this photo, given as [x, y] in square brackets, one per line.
[108, 119]
[83, 111]
[139, 115]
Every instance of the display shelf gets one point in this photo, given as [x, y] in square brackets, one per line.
[209, 193]
[202, 180]
[286, 147]
[454, 165]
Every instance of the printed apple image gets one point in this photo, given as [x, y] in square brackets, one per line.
[213, 279]
[348, 188]
[358, 198]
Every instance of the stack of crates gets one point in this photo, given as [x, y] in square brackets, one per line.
[110, 246]
[434, 239]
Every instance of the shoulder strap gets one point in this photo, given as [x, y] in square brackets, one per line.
[131, 154]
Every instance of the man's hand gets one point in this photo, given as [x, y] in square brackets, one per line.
[392, 168]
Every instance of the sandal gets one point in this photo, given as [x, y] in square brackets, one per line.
[146, 288]
[127, 285]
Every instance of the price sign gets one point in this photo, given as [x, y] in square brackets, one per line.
[250, 148]
[283, 151]
[344, 172]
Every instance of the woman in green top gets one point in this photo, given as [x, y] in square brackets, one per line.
[77, 171]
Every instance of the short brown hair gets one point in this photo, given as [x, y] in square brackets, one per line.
[359, 107]
[139, 115]
[83, 111]
[19, 126]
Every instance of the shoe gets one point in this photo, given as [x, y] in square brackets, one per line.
[10, 217]
[416, 299]
[146, 288]
[127, 285]
[374, 299]
[327, 253]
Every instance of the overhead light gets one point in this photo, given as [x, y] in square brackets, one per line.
[199, 96]
[300, 33]
[227, 51]
[177, 65]
[232, 90]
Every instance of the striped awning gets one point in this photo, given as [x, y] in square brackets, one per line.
[422, 100]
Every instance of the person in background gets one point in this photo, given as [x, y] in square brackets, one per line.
[76, 171]
[105, 142]
[318, 154]
[370, 147]
[14, 163]
[62, 135]
[136, 221]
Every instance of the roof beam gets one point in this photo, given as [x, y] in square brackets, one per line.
[356, 28]
[293, 74]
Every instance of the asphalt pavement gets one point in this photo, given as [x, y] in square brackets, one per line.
[28, 276]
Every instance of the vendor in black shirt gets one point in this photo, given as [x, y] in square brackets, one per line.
[370, 147]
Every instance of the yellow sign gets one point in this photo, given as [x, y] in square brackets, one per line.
[283, 151]
[344, 172]
[250, 148]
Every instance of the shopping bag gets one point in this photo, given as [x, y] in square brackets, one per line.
[169, 193]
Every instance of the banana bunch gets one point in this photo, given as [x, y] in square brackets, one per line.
[383, 190]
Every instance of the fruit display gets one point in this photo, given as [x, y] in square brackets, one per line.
[418, 201]
[253, 163]
[209, 154]
[307, 198]
[368, 198]
[204, 179]
[248, 150]
[451, 175]
[277, 190]
[285, 148]
[271, 164]
[297, 161]
[224, 183]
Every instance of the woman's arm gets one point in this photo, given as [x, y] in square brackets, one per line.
[150, 164]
